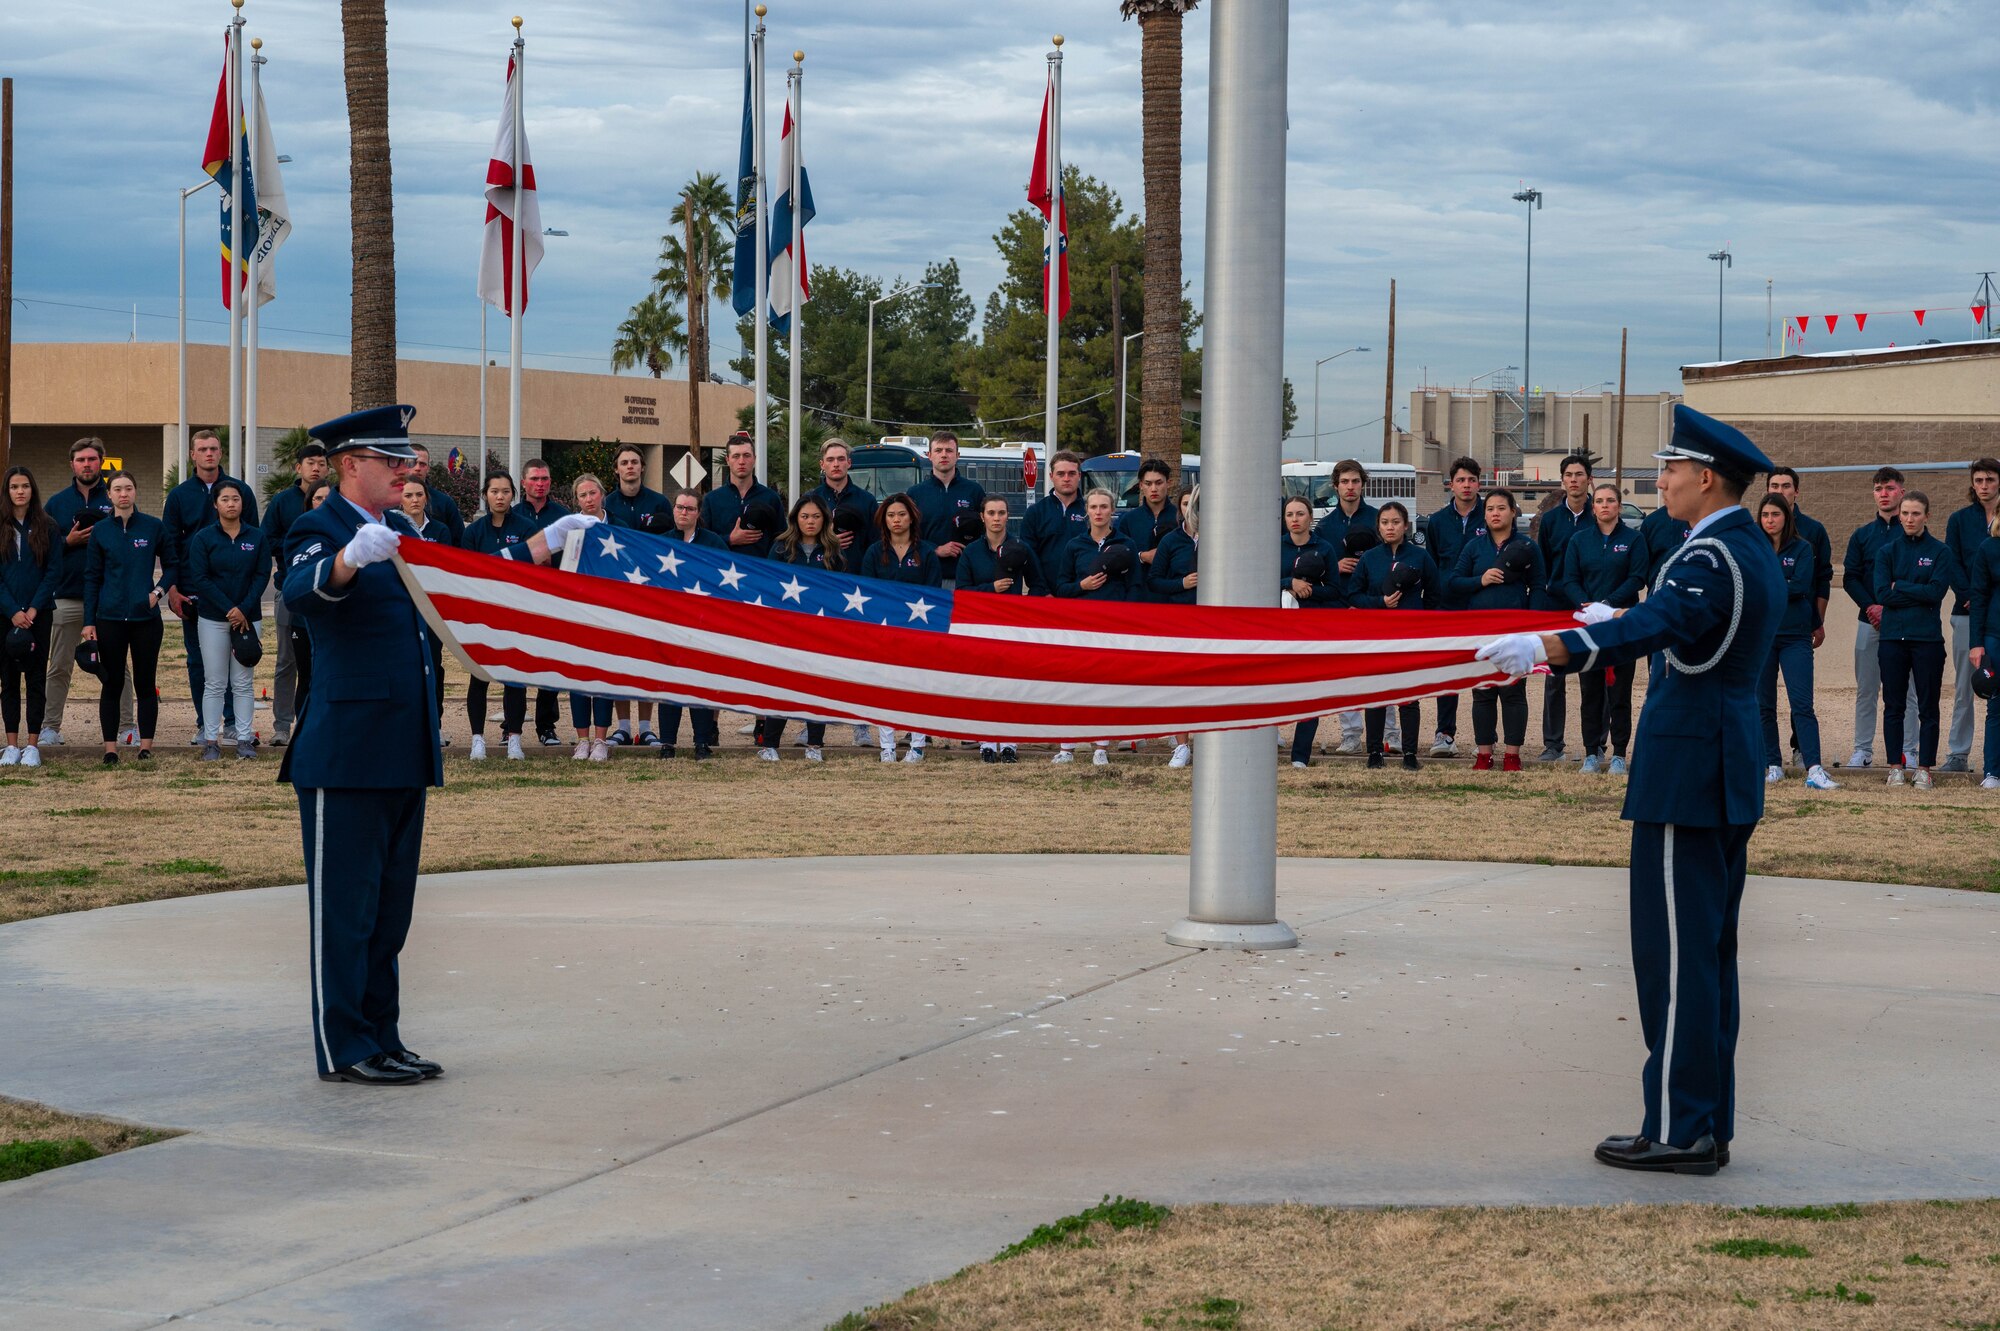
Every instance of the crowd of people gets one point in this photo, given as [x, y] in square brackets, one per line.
[84, 577]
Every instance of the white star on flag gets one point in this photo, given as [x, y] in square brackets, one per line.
[792, 588]
[670, 563]
[758, 601]
[855, 600]
[920, 609]
[636, 576]
[731, 576]
[697, 589]
[611, 547]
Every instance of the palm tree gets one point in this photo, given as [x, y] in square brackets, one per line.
[698, 265]
[364, 26]
[1160, 116]
[649, 337]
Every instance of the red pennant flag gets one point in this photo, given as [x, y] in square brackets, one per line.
[1979, 314]
[1831, 321]
[1860, 323]
[1800, 320]
[1920, 318]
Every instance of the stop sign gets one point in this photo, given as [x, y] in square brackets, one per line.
[1028, 469]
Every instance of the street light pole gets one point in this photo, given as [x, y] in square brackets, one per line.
[182, 452]
[1723, 261]
[1124, 365]
[868, 410]
[1316, 364]
[1533, 198]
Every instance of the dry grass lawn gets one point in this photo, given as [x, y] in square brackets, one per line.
[78, 1137]
[1914, 1264]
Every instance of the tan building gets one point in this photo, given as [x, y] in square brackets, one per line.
[1447, 424]
[1928, 409]
[127, 393]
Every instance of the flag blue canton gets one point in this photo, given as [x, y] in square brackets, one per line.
[646, 560]
[743, 285]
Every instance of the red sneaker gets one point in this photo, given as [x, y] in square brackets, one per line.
[1511, 763]
[1483, 763]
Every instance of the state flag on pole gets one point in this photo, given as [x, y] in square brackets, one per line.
[274, 214]
[1038, 195]
[496, 250]
[743, 284]
[215, 160]
[781, 231]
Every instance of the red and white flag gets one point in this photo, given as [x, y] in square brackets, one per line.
[647, 617]
[496, 250]
[1038, 196]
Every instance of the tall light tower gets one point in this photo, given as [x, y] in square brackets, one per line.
[1723, 262]
[1533, 198]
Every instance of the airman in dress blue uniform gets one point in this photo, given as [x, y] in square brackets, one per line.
[1697, 793]
[366, 748]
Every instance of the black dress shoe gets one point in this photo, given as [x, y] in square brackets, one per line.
[702, 751]
[989, 755]
[1410, 763]
[666, 750]
[375, 1070]
[417, 1063]
[1009, 756]
[1642, 1153]
[1376, 760]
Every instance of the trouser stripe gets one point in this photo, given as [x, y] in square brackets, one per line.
[1673, 986]
[315, 887]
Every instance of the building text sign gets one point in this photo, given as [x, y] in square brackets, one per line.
[641, 411]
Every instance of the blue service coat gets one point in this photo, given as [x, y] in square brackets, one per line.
[118, 577]
[225, 574]
[1965, 532]
[62, 509]
[1801, 573]
[1699, 737]
[1606, 568]
[1330, 593]
[1368, 585]
[1177, 555]
[1077, 560]
[979, 568]
[1479, 556]
[190, 506]
[27, 583]
[1858, 564]
[1051, 525]
[723, 506]
[1913, 575]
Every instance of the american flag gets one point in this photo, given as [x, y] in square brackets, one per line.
[645, 617]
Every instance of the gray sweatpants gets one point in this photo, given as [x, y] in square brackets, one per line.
[1959, 740]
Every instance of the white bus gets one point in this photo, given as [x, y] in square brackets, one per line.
[897, 462]
[1313, 482]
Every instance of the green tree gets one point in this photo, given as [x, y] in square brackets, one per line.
[285, 460]
[1291, 411]
[1006, 370]
[698, 266]
[650, 336]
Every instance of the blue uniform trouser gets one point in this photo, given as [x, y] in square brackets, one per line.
[1795, 657]
[1687, 888]
[361, 848]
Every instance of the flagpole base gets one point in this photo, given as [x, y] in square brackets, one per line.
[1272, 937]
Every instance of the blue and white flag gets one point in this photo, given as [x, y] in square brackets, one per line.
[781, 229]
[743, 287]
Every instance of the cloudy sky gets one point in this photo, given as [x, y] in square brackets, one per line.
[1843, 149]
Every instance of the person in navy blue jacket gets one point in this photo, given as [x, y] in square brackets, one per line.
[942, 498]
[1349, 512]
[1444, 534]
[1983, 578]
[898, 554]
[1791, 651]
[1784, 482]
[1058, 517]
[309, 469]
[1324, 589]
[497, 531]
[1499, 571]
[1081, 573]
[30, 565]
[438, 503]
[703, 722]
[631, 502]
[1395, 575]
[1661, 534]
[1858, 581]
[1694, 799]
[228, 568]
[1914, 572]
[589, 715]
[1147, 523]
[842, 495]
[80, 503]
[1174, 578]
[536, 505]
[121, 612]
[1965, 532]
[1571, 513]
[415, 506]
[190, 506]
[809, 542]
[1003, 566]
[1603, 563]
[746, 513]
[366, 748]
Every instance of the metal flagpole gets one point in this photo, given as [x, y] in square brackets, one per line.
[762, 428]
[1052, 283]
[483, 382]
[234, 286]
[795, 266]
[249, 468]
[1233, 878]
[518, 290]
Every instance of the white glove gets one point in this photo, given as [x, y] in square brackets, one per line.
[1517, 653]
[557, 532]
[1596, 612]
[374, 543]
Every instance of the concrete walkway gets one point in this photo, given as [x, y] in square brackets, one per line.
[763, 1094]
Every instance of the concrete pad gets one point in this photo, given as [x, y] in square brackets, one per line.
[766, 1093]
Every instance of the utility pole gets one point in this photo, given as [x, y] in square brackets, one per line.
[1618, 440]
[6, 271]
[1389, 380]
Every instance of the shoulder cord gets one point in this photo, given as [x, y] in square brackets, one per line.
[1735, 604]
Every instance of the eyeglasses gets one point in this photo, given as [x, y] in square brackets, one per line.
[395, 464]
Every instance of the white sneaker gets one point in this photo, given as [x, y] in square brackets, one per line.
[1990, 783]
[1349, 745]
[514, 753]
[1896, 777]
[130, 739]
[1100, 758]
[600, 752]
[478, 753]
[31, 756]
[50, 735]
[582, 754]
[1443, 746]
[1817, 779]
[1923, 779]
[888, 755]
[748, 728]
[813, 754]
[768, 755]
[1182, 756]
[915, 755]
[10, 756]
[1773, 775]
[1860, 758]
[1299, 766]
[1063, 756]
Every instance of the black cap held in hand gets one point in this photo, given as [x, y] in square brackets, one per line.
[1360, 540]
